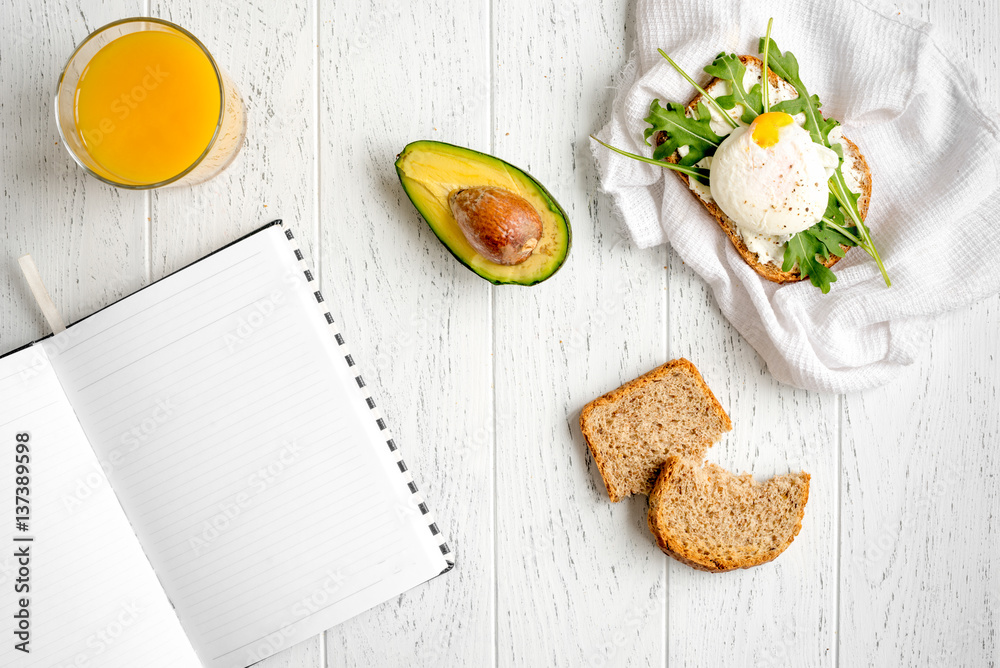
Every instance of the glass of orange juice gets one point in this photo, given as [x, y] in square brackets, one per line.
[142, 104]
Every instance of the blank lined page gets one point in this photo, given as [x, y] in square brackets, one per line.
[244, 453]
[93, 598]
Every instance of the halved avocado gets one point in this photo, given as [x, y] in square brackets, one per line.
[430, 171]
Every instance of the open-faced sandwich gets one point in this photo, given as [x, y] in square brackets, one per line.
[789, 190]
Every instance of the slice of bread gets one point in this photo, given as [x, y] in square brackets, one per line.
[713, 520]
[632, 431]
[855, 169]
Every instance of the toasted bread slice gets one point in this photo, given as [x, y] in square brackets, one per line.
[713, 520]
[633, 430]
[855, 170]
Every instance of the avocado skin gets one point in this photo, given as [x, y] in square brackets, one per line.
[555, 222]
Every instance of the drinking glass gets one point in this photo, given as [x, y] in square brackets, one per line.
[149, 151]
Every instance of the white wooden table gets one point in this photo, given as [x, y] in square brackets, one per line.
[897, 563]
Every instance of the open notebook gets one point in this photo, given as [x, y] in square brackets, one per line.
[209, 479]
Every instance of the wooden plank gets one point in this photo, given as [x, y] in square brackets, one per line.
[781, 613]
[579, 579]
[418, 321]
[86, 236]
[269, 51]
[919, 583]
[919, 576]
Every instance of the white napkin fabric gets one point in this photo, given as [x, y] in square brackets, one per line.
[934, 152]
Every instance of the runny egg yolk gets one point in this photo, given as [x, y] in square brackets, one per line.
[764, 128]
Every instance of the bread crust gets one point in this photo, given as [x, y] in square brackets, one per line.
[629, 387]
[672, 547]
[770, 271]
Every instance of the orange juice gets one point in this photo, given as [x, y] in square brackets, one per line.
[147, 106]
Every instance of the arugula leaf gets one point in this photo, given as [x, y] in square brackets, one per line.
[786, 66]
[729, 68]
[766, 90]
[697, 173]
[830, 238]
[802, 105]
[682, 130]
[814, 246]
[848, 202]
[808, 250]
[797, 105]
[833, 229]
[833, 211]
[704, 93]
[825, 125]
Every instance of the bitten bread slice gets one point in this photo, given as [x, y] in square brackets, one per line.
[855, 169]
[713, 520]
[631, 432]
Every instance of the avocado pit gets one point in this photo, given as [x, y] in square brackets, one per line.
[499, 224]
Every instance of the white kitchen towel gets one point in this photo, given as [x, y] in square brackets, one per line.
[912, 108]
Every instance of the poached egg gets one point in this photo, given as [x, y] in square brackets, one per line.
[770, 177]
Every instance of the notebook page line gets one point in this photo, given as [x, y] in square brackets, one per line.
[191, 362]
[172, 343]
[353, 524]
[201, 501]
[158, 320]
[156, 414]
[154, 304]
[235, 621]
[219, 427]
[373, 548]
[228, 605]
[226, 549]
[158, 483]
[184, 376]
[229, 477]
[31, 413]
[170, 541]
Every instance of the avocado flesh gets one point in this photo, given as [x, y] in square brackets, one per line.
[430, 171]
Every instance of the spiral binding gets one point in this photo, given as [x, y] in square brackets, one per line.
[379, 420]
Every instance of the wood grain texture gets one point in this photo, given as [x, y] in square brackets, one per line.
[418, 321]
[920, 572]
[920, 582]
[580, 580]
[81, 232]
